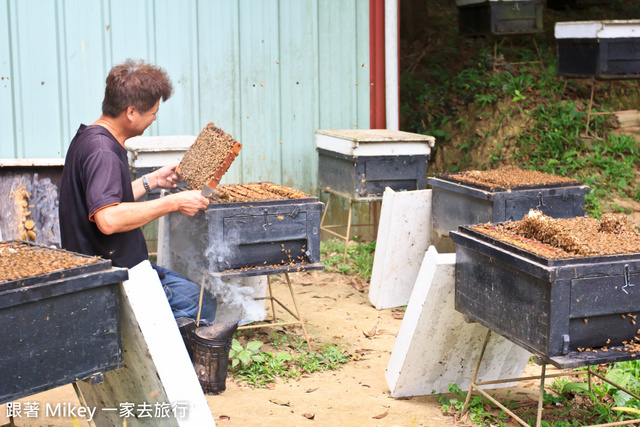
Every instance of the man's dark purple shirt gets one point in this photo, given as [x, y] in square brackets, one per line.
[96, 175]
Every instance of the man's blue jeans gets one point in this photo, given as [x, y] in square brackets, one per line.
[184, 296]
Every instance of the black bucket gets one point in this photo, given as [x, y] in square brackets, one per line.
[187, 328]
[211, 355]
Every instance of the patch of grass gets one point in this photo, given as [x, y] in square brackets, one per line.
[609, 404]
[553, 144]
[259, 368]
[359, 257]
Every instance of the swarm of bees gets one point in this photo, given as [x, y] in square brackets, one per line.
[19, 260]
[294, 263]
[567, 237]
[612, 223]
[509, 178]
[255, 192]
[205, 156]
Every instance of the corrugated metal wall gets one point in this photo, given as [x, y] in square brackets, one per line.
[270, 72]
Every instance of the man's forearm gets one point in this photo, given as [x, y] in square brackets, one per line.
[128, 216]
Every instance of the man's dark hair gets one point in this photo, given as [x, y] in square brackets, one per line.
[135, 83]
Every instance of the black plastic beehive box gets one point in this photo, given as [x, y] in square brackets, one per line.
[489, 17]
[58, 328]
[368, 176]
[549, 307]
[247, 238]
[607, 50]
[456, 203]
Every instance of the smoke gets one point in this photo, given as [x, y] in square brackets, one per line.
[236, 299]
[195, 247]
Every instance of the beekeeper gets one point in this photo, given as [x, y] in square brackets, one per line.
[99, 212]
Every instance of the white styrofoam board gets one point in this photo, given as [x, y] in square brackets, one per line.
[157, 366]
[404, 233]
[374, 142]
[435, 347]
[598, 29]
[157, 151]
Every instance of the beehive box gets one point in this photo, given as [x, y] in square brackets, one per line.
[569, 311]
[598, 49]
[241, 235]
[499, 17]
[362, 163]
[59, 318]
[458, 202]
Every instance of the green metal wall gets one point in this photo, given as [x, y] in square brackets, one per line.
[270, 72]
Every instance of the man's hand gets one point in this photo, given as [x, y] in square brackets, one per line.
[127, 216]
[190, 202]
[166, 177]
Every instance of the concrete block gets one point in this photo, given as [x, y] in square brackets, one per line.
[403, 237]
[435, 347]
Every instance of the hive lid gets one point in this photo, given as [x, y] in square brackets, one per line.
[31, 162]
[374, 142]
[598, 29]
[220, 331]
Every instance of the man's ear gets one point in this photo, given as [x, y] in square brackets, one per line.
[130, 112]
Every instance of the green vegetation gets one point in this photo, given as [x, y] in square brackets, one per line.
[570, 403]
[487, 113]
[359, 257]
[259, 368]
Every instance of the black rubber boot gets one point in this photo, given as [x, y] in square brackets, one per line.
[187, 328]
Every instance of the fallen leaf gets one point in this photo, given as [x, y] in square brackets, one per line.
[398, 315]
[384, 414]
[357, 284]
[309, 416]
[372, 332]
[279, 402]
[224, 417]
[311, 390]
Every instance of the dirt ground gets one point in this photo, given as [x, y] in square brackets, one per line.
[358, 394]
